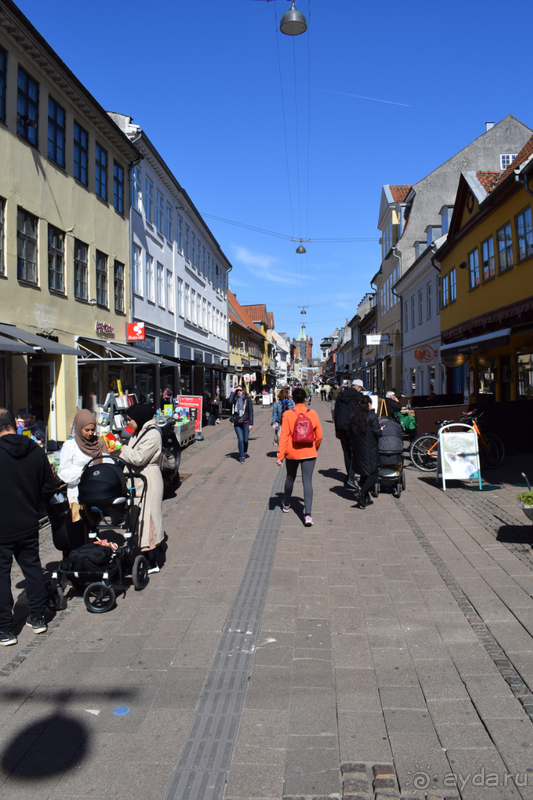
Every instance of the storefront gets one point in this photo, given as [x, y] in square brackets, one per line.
[482, 367]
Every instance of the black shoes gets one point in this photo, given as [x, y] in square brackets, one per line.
[351, 484]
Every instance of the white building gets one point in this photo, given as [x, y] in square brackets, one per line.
[180, 276]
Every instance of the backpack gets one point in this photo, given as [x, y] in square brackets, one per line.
[303, 432]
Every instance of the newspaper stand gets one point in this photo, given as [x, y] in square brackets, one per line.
[458, 454]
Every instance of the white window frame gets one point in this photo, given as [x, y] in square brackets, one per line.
[170, 290]
[193, 307]
[137, 271]
[159, 203]
[429, 300]
[180, 298]
[180, 235]
[137, 190]
[187, 302]
[149, 273]
[209, 318]
[148, 199]
[160, 288]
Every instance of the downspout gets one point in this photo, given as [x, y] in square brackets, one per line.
[398, 255]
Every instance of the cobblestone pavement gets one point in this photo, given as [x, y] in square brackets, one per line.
[382, 653]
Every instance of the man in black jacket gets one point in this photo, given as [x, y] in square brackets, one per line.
[342, 413]
[26, 479]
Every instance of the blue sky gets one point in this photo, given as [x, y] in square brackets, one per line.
[373, 93]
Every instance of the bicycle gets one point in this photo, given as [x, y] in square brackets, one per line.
[425, 448]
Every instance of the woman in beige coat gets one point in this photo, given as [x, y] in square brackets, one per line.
[143, 453]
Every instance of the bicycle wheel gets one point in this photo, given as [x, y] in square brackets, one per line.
[491, 451]
[425, 452]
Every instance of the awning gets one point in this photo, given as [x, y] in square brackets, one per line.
[39, 344]
[496, 339]
[119, 351]
[9, 346]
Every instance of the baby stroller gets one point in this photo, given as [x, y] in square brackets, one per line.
[391, 472]
[107, 492]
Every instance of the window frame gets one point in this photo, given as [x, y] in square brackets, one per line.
[56, 261]
[181, 310]
[187, 302]
[159, 205]
[102, 280]
[526, 236]
[413, 312]
[169, 289]
[486, 257]
[180, 234]
[149, 274]
[81, 154]
[81, 270]
[508, 247]
[118, 187]
[137, 270]
[429, 300]
[56, 152]
[148, 199]
[119, 271]
[453, 284]
[420, 306]
[25, 241]
[136, 179]
[3, 84]
[100, 171]
[160, 287]
[406, 316]
[445, 291]
[25, 105]
[474, 274]
[2, 236]
[168, 223]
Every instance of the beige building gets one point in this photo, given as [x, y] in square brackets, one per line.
[64, 231]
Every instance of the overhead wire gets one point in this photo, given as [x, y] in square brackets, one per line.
[281, 235]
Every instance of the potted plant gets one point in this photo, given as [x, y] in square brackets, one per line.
[526, 502]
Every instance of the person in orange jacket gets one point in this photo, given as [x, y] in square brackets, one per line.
[295, 453]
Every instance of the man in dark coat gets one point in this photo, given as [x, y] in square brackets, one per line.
[365, 450]
[26, 479]
[342, 413]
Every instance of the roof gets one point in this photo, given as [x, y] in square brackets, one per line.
[399, 192]
[488, 180]
[257, 313]
[522, 156]
[270, 320]
[238, 313]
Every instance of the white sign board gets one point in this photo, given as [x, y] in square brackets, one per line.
[377, 339]
[459, 455]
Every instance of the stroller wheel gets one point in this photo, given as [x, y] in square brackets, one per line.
[99, 598]
[55, 597]
[403, 480]
[139, 572]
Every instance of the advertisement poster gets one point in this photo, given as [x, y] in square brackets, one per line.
[194, 404]
[459, 456]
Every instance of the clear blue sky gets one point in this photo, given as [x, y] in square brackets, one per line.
[395, 89]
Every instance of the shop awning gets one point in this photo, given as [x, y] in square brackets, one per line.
[10, 346]
[119, 351]
[38, 344]
[496, 339]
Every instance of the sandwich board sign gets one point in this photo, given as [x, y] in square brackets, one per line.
[458, 454]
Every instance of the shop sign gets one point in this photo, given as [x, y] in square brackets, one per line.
[254, 362]
[224, 363]
[135, 332]
[194, 404]
[425, 354]
[376, 339]
[103, 327]
[454, 361]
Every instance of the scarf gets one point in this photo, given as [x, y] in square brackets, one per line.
[91, 448]
[141, 413]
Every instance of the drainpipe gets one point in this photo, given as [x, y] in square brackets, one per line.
[398, 255]
[525, 182]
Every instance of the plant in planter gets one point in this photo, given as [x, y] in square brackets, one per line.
[526, 502]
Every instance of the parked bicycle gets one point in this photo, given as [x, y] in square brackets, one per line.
[425, 448]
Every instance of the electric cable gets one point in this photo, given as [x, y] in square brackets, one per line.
[284, 120]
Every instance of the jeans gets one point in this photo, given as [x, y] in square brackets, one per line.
[308, 465]
[242, 438]
[26, 551]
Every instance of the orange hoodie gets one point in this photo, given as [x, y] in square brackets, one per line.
[286, 447]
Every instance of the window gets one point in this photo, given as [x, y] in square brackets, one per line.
[137, 271]
[101, 279]
[453, 284]
[505, 247]
[438, 282]
[405, 317]
[81, 148]
[137, 196]
[209, 318]
[186, 242]
[420, 306]
[118, 187]
[56, 260]
[180, 297]
[193, 249]
[445, 217]
[26, 246]
[429, 300]
[199, 256]
[487, 255]
[193, 306]
[149, 263]
[170, 291]
[413, 312]
[187, 302]
[203, 263]
[168, 225]
[524, 234]
[100, 172]
[208, 267]
[56, 132]
[445, 290]
[160, 287]
[506, 159]
[204, 314]
[159, 212]
[180, 234]
[118, 278]
[199, 310]
[27, 107]
[2, 236]
[148, 199]
[473, 268]
[81, 252]
[3, 73]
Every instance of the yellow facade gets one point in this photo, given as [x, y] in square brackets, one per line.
[33, 183]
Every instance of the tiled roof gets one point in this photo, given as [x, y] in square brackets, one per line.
[488, 180]
[239, 313]
[400, 192]
[522, 156]
[270, 319]
[257, 312]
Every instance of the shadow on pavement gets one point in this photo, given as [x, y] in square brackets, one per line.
[333, 473]
[515, 534]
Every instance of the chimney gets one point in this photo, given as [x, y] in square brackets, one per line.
[489, 125]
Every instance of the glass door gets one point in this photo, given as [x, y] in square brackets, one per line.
[42, 394]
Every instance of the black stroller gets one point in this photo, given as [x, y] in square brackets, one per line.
[107, 493]
[391, 470]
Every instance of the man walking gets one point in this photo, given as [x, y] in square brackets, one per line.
[342, 413]
[26, 479]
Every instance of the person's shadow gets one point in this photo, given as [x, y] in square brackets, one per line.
[333, 474]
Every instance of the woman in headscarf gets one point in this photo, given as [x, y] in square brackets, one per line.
[143, 452]
[76, 453]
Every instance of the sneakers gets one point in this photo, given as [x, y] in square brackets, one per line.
[285, 508]
[308, 520]
[7, 638]
[241, 460]
[351, 484]
[153, 568]
[37, 624]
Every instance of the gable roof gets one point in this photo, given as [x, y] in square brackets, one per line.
[399, 192]
[238, 314]
[257, 313]
[488, 180]
[522, 156]
[270, 319]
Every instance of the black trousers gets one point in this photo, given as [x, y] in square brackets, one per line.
[346, 444]
[26, 551]
[367, 482]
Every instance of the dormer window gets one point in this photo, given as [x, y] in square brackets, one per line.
[432, 232]
[446, 217]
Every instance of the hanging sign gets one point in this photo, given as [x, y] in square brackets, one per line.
[135, 332]
[377, 339]
[425, 354]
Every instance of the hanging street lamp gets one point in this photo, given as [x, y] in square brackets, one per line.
[293, 22]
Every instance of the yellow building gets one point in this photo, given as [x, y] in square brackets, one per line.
[259, 315]
[487, 285]
[64, 229]
[246, 345]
